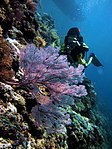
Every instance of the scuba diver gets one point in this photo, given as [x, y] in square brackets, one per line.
[75, 49]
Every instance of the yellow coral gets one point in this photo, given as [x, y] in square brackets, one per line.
[39, 42]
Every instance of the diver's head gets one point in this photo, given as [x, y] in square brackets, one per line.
[75, 32]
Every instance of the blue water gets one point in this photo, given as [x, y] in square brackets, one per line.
[95, 24]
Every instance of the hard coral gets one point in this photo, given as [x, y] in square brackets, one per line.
[19, 16]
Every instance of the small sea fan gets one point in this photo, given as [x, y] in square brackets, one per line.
[31, 5]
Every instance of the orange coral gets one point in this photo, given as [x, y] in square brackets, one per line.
[6, 71]
[1, 32]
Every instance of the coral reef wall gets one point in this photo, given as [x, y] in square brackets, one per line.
[44, 102]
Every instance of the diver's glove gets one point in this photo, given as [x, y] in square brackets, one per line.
[85, 46]
[75, 41]
[82, 44]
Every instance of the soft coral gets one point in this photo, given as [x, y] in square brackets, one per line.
[46, 68]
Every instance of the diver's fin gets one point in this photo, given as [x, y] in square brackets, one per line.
[95, 61]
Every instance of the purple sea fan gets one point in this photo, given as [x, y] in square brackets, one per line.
[45, 67]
